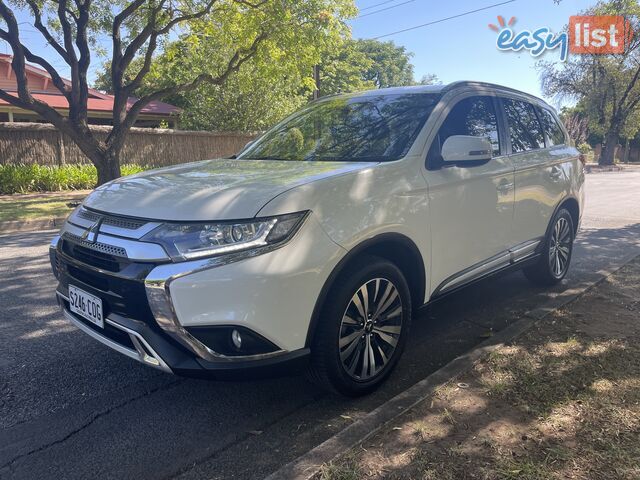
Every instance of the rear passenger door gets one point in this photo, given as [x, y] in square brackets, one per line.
[541, 179]
[471, 205]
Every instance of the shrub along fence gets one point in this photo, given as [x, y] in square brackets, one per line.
[42, 144]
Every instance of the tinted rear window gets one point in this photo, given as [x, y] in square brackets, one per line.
[555, 135]
[525, 131]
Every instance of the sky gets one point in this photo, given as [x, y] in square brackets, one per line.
[462, 48]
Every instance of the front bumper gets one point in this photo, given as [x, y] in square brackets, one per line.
[199, 296]
[153, 349]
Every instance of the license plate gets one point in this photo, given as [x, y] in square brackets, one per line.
[86, 305]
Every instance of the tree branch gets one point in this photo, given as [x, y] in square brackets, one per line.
[630, 86]
[67, 33]
[30, 57]
[234, 64]
[188, 17]
[139, 40]
[13, 100]
[37, 14]
[118, 20]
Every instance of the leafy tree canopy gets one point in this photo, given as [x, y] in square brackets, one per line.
[606, 88]
[160, 49]
[276, 82]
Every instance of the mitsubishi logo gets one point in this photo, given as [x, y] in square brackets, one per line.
[91, 234]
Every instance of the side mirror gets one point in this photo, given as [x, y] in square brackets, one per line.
[465, 148]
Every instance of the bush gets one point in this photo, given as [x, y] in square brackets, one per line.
[585, 148]
[40, 178]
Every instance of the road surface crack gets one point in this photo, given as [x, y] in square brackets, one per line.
[88, 423]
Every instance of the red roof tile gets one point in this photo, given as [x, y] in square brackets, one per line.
[98, 101]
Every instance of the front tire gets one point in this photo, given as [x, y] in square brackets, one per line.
[556, 253]
[362, 329]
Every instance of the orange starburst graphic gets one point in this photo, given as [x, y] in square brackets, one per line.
[502, 23]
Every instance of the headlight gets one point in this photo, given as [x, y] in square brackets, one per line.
[186, 241]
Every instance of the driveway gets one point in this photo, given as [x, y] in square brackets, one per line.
[71, 408]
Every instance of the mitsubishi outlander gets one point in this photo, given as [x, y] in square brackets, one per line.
[313, 246]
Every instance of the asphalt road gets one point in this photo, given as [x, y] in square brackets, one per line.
[71, 408]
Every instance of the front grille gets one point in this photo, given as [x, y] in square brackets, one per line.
[99, 247]
[88, 278]
[120, 222]
[92, 257]
[122, 293]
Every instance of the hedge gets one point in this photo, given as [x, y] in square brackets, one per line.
[44, 178]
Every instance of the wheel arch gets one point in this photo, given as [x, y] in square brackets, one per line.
[573, 207]
[398, 249]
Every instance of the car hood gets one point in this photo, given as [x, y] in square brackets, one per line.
[210, 190]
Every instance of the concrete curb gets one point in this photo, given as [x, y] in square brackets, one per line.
[309, 464]
[16, 226]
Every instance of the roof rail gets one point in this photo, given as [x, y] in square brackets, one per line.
[472, 83]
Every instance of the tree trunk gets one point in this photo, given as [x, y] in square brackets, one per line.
[108, 166]
[607, 157]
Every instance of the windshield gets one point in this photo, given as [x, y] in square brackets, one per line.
[349, 128]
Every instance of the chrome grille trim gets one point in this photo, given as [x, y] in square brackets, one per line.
[134, 249]
[112, 225]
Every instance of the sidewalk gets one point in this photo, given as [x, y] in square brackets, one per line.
[561, 401]
[618, 167]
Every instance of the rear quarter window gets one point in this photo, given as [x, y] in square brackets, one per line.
[555, 135]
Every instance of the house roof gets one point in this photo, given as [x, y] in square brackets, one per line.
[97, 102]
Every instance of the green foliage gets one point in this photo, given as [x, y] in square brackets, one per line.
[391, 63]
[585, 148]
[606, 88]
[276, 81]
[429, 79]
[41, 178]
[365, 64]
[279, 79]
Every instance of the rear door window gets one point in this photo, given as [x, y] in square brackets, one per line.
[555, 135]
[525, 130]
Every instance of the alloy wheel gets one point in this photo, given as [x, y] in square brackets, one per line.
[370, 329]
[560, 247]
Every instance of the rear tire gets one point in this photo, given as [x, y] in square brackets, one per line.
[362, 328]
[556, 252]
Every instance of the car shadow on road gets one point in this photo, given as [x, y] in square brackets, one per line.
[50, 369]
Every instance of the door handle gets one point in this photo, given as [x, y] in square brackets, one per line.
[556, 173]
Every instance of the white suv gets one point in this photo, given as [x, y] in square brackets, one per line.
[316, 244]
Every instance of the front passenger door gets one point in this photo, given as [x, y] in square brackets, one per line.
[471, 206]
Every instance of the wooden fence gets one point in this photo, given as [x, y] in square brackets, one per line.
[28, 143]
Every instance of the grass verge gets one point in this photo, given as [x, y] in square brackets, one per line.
[561, 402]
[39, 206]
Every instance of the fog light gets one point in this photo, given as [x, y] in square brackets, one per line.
[236, 339]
